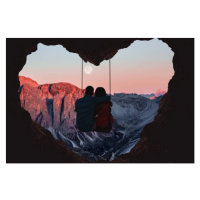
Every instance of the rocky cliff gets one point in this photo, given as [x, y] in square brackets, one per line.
[50, 105]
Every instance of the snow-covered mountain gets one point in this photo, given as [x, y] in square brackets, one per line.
[52, 106]
[148, 95]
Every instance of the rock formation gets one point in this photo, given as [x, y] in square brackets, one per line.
[50, 105]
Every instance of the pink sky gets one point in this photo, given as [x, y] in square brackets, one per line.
[143, 67]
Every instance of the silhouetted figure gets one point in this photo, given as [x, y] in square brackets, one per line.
[104, 118]
[85, 108]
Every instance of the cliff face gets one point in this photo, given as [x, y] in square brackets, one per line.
[170, 138]
[50, 105]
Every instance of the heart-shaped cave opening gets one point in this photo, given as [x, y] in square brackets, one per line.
[50, 84]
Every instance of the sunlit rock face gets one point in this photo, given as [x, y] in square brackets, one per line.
[50, 105]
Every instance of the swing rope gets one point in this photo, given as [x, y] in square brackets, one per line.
[110, 76]
[113, 154]
[82, 76]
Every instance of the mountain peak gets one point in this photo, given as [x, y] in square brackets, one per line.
[25, 80]
[58, 86]
[159, 92]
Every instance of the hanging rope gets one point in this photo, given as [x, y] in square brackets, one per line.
[110, 76]
[113, 153]
[82, 76]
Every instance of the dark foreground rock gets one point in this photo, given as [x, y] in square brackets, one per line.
[34, 144]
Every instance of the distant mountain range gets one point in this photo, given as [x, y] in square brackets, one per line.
[52, 107]
[152, 96]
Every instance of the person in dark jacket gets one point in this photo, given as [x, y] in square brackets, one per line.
[85, 109]
[104, 118]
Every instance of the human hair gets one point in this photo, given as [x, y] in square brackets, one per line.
[100, 92]
[89, 90]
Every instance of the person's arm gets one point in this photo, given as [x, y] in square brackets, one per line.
[101, 99]
[75, 106]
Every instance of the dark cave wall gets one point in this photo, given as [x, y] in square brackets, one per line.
[170, 138]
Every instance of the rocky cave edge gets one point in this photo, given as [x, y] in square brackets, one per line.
[169, 138]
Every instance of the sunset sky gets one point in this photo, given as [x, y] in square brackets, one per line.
[143, 67]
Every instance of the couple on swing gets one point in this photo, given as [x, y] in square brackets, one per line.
[94, 112]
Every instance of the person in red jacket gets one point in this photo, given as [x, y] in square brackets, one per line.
[104, 118]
